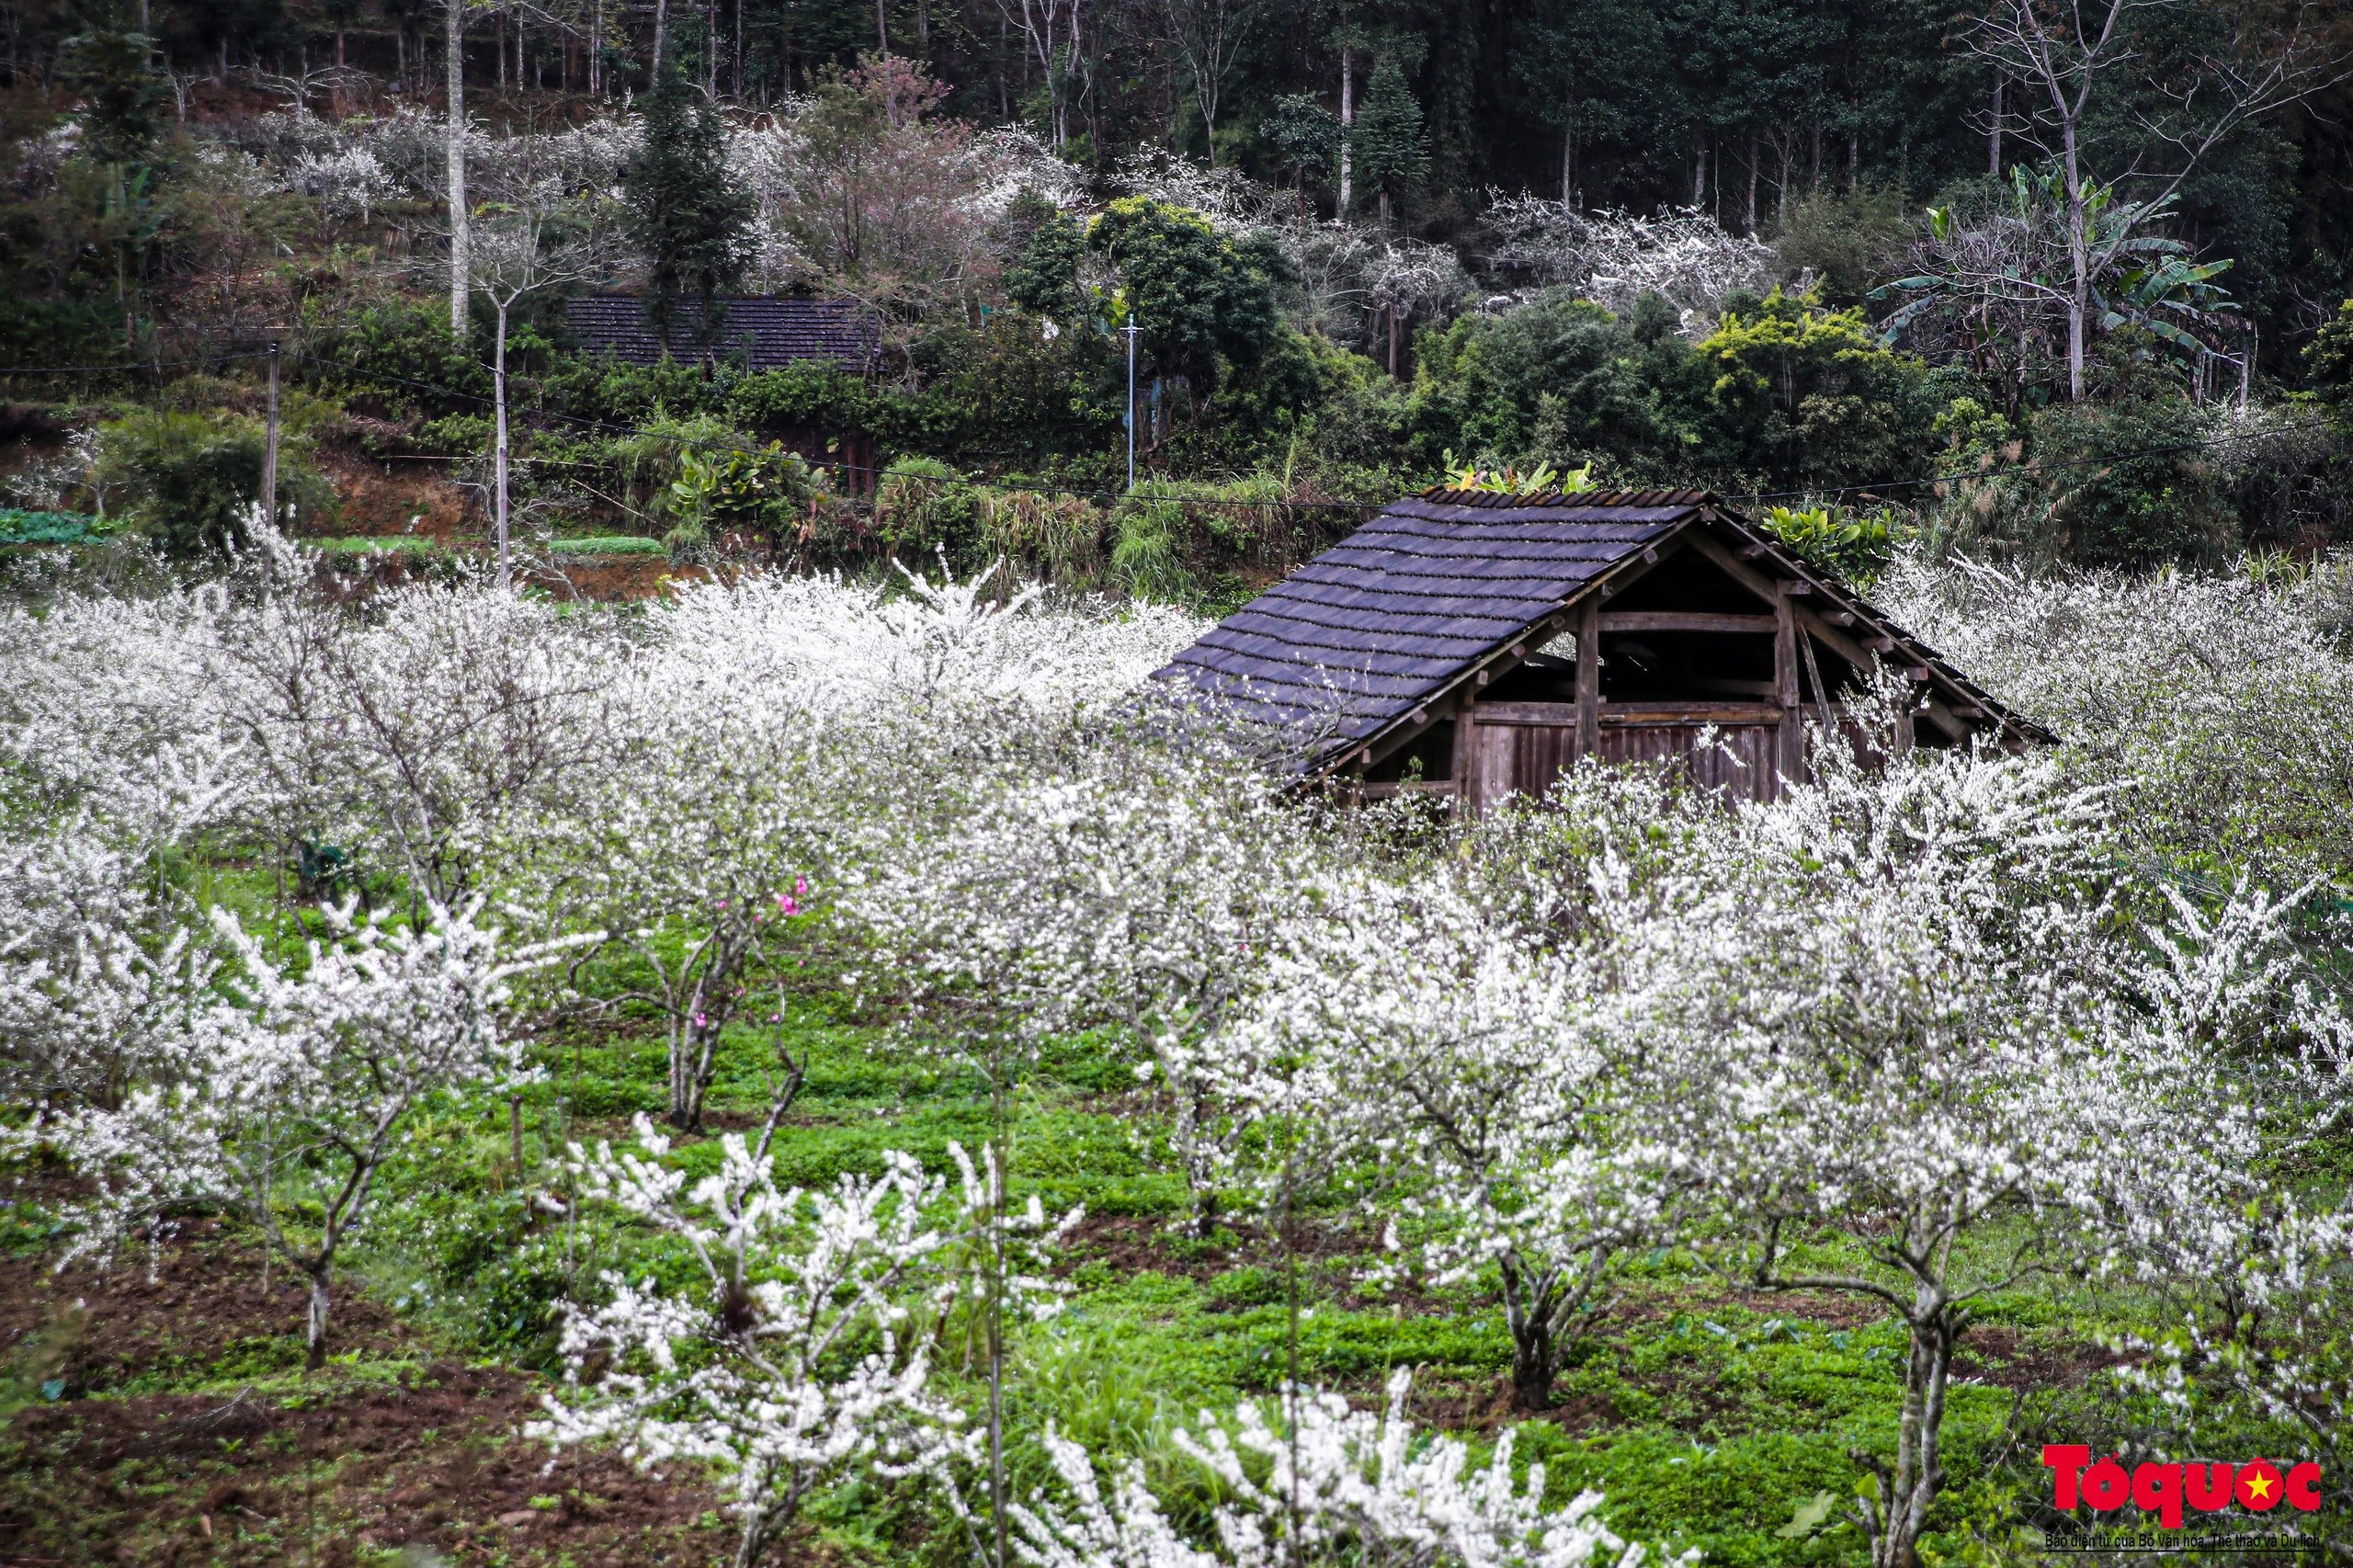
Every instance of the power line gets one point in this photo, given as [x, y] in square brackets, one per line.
[119, 370]
[611, 428]
[2104, 460]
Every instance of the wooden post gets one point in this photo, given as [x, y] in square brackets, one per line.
[1466, 758]
[1785, 685]
[269, 444]
[1589, 679]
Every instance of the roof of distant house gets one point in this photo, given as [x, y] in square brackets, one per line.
[771, 332]
[1449, 582]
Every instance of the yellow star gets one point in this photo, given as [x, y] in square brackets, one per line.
[2260, 1486]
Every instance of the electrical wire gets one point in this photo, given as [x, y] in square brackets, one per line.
[2108, 460]
[119, 370]
[611, 428]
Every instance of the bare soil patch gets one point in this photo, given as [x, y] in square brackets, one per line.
[238, 1459]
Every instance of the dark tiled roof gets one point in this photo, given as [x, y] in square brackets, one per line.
[778, 332]
[1351, 644]
[1353, 640]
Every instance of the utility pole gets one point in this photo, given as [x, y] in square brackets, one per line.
[269, 447]
[1131, 330]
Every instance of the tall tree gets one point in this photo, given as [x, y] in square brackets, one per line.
[689, 213]
[1208, 36]
[1597, 67]
[2069, 58]
[111, 67]
[1392, 152]
[1301, 134]
[453, 46]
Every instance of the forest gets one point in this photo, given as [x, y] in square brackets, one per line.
[616, 959]
[2051, 282]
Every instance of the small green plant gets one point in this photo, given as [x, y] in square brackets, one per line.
[1856, 546]
[760, 491]
[1542, 479]
[20, 526]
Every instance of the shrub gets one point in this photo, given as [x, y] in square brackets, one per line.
[921, 507]
[399, 355]
[1807, 396]
[20, 526]
[191, 483]
[1856, 546]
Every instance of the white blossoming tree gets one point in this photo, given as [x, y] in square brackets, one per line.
[1898, 1019]
[804, 1346]
[1426, 1033]
[291, 1096]
[101, 987]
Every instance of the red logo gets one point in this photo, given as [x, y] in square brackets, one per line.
[2162, 1489]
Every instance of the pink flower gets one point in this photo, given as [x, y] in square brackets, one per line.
[722, 904]
[702, 1021]
[786, 906]
[800, 887]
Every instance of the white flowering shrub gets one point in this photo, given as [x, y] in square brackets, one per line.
[2206, 700]
[1324, 1484]
[1134, 890]
[101, 985]
[291, 1090]
[1916, 1008]
[1403, 1023]
[804, 1346]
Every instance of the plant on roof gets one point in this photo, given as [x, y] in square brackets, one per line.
[1537, 481]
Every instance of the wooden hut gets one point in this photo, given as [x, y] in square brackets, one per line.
[1473, 645]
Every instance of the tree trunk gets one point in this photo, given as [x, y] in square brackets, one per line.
[1534, 1354]
[882, 27]
[1569, 165]
[1754, 160]
[661, 36]
[499, 380]
[1994, 135]
[2079, 262]
[454, 135]
[1911, 1488]
[1348, 120]
[315, 1353]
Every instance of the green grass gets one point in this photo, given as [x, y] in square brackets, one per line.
[607, 544]
[385, 545]
[1708, 1416]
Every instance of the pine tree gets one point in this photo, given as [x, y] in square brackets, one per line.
[1392, 153]
[689, 215]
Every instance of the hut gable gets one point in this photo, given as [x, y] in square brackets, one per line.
[1476, 644]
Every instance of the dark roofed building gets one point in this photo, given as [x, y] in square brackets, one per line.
[1476, 644]
[771, 332]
